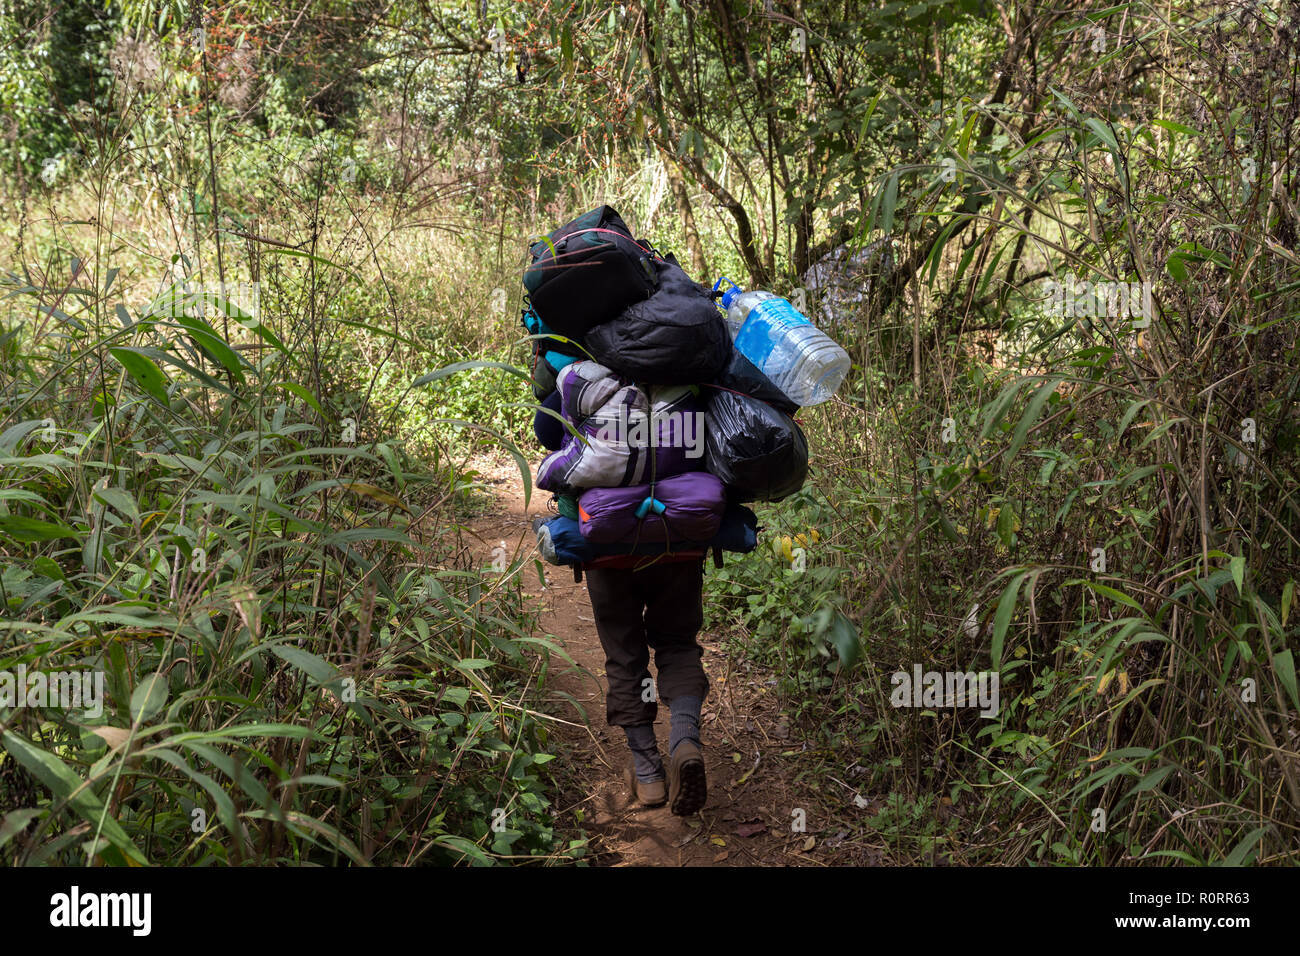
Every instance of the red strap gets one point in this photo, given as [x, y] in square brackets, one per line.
[612, 232]
[638, 561]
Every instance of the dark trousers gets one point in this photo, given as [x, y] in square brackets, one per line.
[661, 608]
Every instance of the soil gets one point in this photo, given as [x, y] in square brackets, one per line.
[751, 818]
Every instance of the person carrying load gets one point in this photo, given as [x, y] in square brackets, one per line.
[658, 429]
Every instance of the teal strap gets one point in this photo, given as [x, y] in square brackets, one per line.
[651, 504]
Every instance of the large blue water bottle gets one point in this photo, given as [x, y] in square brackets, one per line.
[800, 359]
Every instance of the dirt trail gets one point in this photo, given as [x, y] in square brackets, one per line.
[747, 820]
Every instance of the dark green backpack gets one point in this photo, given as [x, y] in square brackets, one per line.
[588, 271]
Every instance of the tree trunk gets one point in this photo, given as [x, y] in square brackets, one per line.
[699, 265]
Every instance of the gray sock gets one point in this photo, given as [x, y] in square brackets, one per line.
[685, 723]
[645, 752]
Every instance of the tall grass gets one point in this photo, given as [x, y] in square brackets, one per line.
[1103, 513]
[228, 516]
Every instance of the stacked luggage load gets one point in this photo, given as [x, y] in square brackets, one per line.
[660, 429]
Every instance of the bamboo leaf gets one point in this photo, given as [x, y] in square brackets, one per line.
[69, 787]
[142, 368]
[1002, 618]
[295, 389]
[22, 528]
[1284, 667]
[148, 698]
[1032, 411]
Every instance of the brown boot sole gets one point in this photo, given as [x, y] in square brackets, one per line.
[688, 786]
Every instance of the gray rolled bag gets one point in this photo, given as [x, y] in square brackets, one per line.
[600, 404]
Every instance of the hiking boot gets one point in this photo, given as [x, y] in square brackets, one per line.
[687, 788]
[652, 794]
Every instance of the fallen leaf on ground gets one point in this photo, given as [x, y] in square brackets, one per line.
[809, 843]
[753, 828]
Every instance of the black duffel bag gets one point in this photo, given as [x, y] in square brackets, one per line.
[675, 337]
[758, 451]
[588, 271]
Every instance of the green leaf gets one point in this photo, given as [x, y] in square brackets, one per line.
[1243, 853]
[998, 407]
[1284, 667]
[1129, 414]
[461, 366]
[369, 534]
[525, 470]
[1238, 568]
[167, 358]
[142, 368]
[235, 312]
[149, 697]
[295, 389]
[1032, 411]
[1002, 618]
[1007, 522]
[844, 635]
[15, 821]
[318, 669]
[1176, 127]
[297, 822]
[888, 203]
[14, 434]
[1176, 266]
[119, 500]
[1111, 593]
[21, 528]
[566, 47]
[465, 848]
[225, 806]
[212, 345]
[1154, 778]
[68, 786]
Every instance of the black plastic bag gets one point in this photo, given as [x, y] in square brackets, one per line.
[758, 451]
[675, 337]
[742, 375]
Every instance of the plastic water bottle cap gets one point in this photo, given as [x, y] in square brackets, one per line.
[730, 295]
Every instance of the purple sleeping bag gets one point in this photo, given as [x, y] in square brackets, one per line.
[694, 503]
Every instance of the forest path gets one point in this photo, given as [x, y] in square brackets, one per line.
[747, 820]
